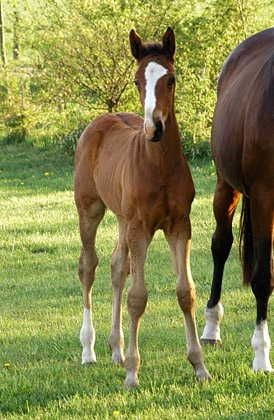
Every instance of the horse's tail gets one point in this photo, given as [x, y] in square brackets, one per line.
[246, 247]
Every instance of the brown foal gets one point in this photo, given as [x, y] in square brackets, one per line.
[137, 169]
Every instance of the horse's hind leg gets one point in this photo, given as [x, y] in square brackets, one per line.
[225, 202]
[91, 211]
[179, 242]
[119, 272]
[262, 278]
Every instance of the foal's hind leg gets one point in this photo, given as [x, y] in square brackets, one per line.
[119, 272]
[262, 279]
[225, 203]
[179, 242]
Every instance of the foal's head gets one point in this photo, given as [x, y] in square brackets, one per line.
[155, 80]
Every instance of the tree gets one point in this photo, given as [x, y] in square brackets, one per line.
[75, 59]
[205, 42]
[2, 36]
[15, 35]
[84, 47]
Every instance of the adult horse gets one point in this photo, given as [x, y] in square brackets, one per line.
[137, 169]
[243, 150]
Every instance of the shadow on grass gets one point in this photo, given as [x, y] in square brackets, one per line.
[47, 370]
[33, 169]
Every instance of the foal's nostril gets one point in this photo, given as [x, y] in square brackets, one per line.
[158, 132]
[159, 127]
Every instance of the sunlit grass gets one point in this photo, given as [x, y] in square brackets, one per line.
[41, 376]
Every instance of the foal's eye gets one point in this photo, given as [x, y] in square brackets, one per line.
[171, 81]
[137, 84]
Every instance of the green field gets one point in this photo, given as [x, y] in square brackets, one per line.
[41, 376]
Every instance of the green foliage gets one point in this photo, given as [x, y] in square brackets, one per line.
[75, 62]
[197, 150]
[15, 110]
[15, 126]
[70, 140]
[204, 42]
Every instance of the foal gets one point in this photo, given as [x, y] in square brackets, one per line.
[137, 169]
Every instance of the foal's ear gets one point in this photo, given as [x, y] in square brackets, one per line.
[169, 45]
[136, 44]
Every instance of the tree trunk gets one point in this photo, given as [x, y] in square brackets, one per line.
[2, 37]
[15, 35]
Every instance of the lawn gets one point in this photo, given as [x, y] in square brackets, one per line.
[41, 376]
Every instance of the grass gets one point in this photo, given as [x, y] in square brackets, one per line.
[41, 376]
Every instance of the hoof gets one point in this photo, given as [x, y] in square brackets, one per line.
[203, 375]
[212, 342]
[131, 380]
[88, 357]
[117, 355]
[118, 358]
[266, 372]
[262, 367]
[269, 372]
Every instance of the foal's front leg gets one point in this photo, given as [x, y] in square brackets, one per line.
[119, 272]
[87, 265]
[137, 298]
[179, 242]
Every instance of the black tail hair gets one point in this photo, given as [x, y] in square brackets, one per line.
[246, 247]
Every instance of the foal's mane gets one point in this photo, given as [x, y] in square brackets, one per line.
[156, 48]
[153, 48]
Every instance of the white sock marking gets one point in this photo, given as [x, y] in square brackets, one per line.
[131, 379]
[87, 338]
[261, 345]
[213, 319]
[153, 73]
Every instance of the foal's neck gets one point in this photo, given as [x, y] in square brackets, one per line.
[168, 149]
[172, 135]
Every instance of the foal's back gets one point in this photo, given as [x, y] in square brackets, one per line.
[112, 133]
[102, 153]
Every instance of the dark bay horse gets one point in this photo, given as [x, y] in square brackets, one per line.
[137, 169]
[243, 151]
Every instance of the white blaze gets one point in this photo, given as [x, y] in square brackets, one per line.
[153, 73]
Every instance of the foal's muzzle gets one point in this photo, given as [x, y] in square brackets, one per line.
[154, 133]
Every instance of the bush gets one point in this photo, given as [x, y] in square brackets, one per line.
[15, 129]
[200, 150]
[70, 140]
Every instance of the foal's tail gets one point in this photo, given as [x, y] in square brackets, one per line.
[246, 241]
